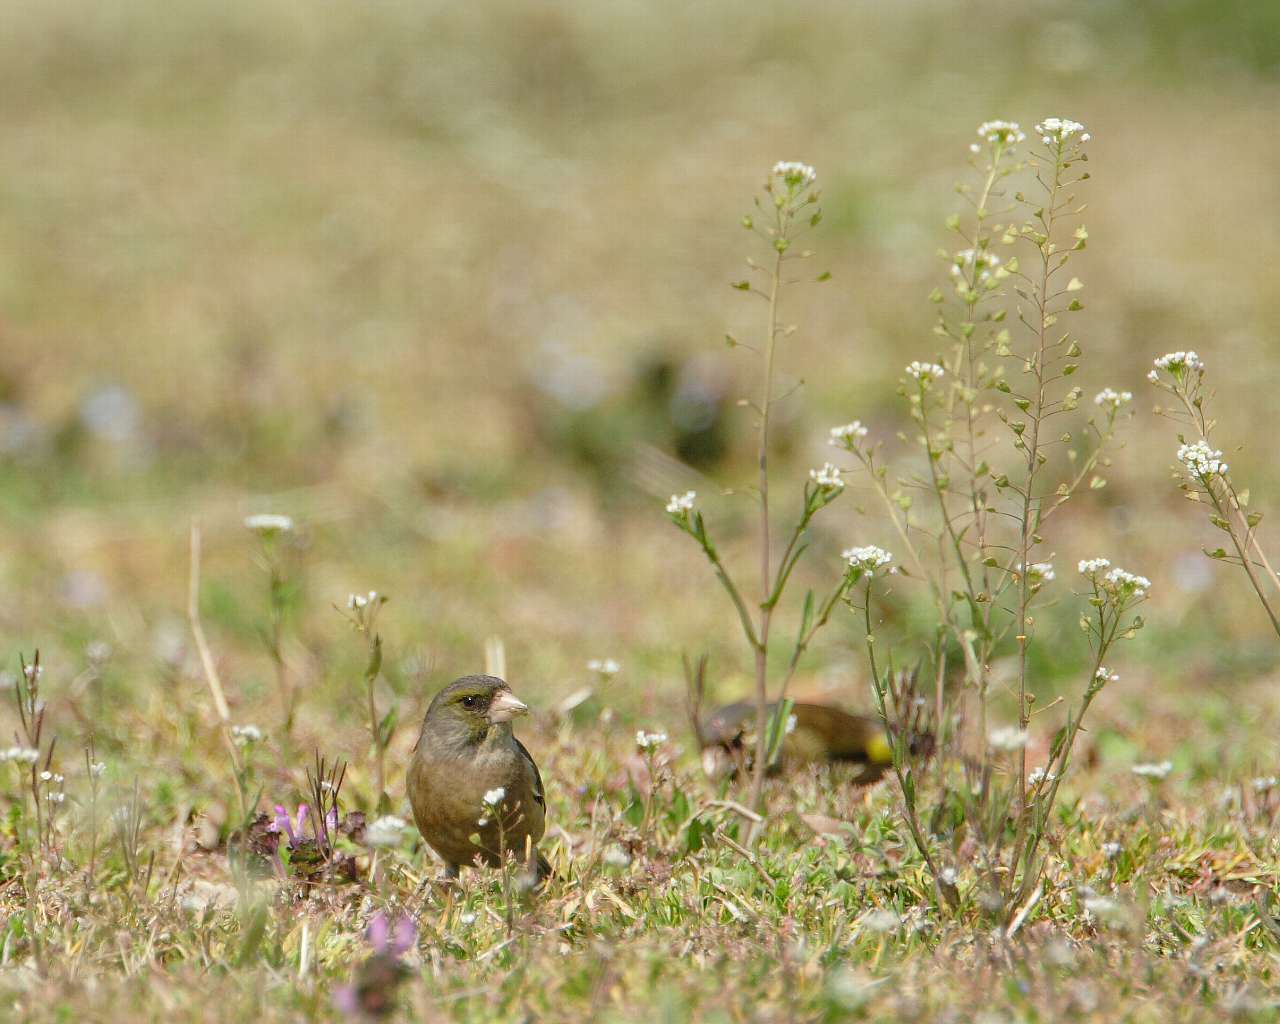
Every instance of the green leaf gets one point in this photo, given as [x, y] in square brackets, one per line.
[375, 659]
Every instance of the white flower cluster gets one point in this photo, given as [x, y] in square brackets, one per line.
[1105, 675]
[925, 372]
[605, 666]
[1264, 783]
[1007, 133]
[681, 504]
[33, 672]
[1090, 567]
[646, 740]
[1153, 771]
[243, 734]
[493, 797]
[385, 831]
[268, 524]
[1175, 363]
[794, 173]
[22, 755]
[1059, 129]
[1008, 737]
[1126, 584]
[53, 777]
[980, 259]
[1039, 571]
[1113, 398]
[1117, 582]
[827, 477]
[847, 435]
[358, 601]
[868, 557]
[1201, 460]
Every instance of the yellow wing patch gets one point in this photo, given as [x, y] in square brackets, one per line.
[879, 749]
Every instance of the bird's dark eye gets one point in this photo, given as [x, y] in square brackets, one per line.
[470, 701]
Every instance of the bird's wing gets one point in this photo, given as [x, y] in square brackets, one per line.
[538, 794]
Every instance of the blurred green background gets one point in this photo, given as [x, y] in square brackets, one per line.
[448, 284]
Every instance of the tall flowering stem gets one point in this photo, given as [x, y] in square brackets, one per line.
[1050, 358]
[977, 541]
[785, 211]
[1115, 593]
[362, 613]
[865, 566]
[1206, 476]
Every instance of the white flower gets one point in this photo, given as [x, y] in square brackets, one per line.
[828, 477]
[680, 504]
[23, 755]
[98, 769]
[268, 524]
[1201, 460]
[358, 601]
[848, 435]
[385, 831]
[1090, 567]
[1126, 584]
[616, 856]
[1101, 906]
[881, 921]
[792, 721]
[1111, 850]
[1264, 783]
[493, 797]
[46, 776]
[1008, 737]
[1038, 775]
[1059, 129]
[645, 740]
[1153, 771]
[980, 259]
[56, 798]
[1004, 132]
[1104, 675]
[794, 173]
[868, 557]
[33, 672]
[1039, 572]
[605, 666]
[468, 917]
[243, 734]
[1175, 363]
[925, 372]
[1113, 398]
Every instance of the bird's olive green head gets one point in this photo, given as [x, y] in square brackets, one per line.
[469, 707]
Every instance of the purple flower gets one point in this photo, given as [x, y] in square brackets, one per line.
[284, 823]
[391, 939]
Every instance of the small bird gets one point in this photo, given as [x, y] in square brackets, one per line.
[821, 733]
[470, 777]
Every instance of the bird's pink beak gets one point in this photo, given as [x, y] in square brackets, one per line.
[506, 706]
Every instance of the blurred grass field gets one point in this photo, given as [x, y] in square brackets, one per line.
[402, 271]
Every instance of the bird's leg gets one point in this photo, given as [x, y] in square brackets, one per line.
[451, 872]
